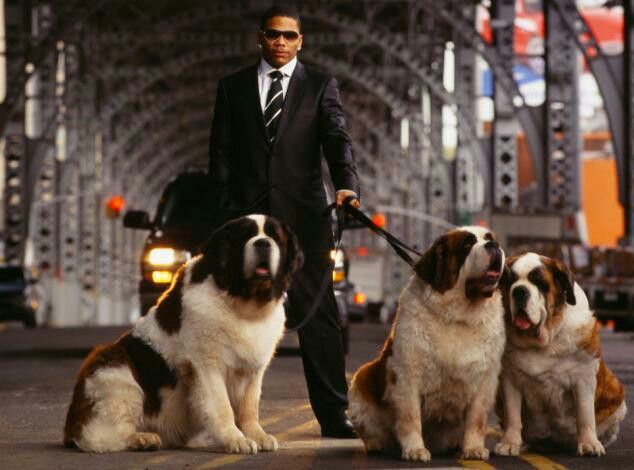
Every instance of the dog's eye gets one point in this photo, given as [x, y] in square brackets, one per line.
[468, 244]
[537, 279]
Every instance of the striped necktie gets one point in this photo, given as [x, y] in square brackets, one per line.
[273, 108]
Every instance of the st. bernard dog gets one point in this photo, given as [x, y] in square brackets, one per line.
[434, 383]
[555, 388]
[189, 373]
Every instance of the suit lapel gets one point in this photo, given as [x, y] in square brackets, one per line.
[253, 97]
[292, 99]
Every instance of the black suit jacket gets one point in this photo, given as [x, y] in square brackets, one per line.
[284, 179]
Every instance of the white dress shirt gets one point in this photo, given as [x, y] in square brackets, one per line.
[264, 81]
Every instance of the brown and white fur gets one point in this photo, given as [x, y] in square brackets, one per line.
[434, 383]
[555, 387]
[189, 373]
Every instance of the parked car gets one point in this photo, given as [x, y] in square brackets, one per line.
[185, 217]
[15, 301]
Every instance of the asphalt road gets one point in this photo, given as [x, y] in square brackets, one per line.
[37, 370]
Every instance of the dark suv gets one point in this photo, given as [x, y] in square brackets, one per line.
[185, 217]
[15, 304]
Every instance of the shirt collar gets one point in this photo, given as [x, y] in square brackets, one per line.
[287, 70]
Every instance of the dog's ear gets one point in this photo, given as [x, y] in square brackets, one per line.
[215, 258]
[432, 266]
[564, 277]
[506, 279]
[294, 254]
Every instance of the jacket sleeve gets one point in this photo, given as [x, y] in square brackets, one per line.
[335, 141]
[220, 146]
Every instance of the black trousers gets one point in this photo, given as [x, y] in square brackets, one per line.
[320, 340]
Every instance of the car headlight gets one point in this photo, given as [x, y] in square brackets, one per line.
[338, 276]
[166, 257]
[162, 277]
[337, 256]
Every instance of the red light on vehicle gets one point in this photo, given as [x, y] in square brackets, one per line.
[359, 298]
[571, 223]
[114, 206]
[379, 219]
[362, 251]
[482, 223]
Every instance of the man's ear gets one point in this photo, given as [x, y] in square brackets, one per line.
[566, 280]
[432, 266]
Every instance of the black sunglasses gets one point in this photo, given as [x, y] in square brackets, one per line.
[273, 34]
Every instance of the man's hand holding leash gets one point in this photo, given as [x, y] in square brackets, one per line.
[341, 196]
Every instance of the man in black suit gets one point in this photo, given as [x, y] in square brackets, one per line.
[271, 123]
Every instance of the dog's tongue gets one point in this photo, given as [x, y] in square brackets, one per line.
[492, 274]
[261, 270]
[522, 323]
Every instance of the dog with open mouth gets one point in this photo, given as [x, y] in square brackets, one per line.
[189, 374]
[555, 388]
[434, 383]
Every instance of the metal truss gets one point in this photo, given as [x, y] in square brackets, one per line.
[453, 13]
[18, 71]
[628, 137]
[466, 197]
[16, 195]
[44, 93]
[505, 126]
[561, 113]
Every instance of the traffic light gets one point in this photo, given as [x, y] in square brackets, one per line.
[114, 206]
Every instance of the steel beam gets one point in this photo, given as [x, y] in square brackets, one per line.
[561, 113]
[628, 101]
[504, 190]
[16, 195]
[465, 185]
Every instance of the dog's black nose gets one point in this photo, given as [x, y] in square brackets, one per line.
[491, 245]
[520, 295]
[262, 243]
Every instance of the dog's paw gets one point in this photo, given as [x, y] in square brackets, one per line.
[266, 442]
[475, 453]
[144, 441]
[241, 445]
[590, 446]
[507, 448]
[373, 445]
[419, 454]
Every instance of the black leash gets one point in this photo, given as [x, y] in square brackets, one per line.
[399, 247]
[342, 212]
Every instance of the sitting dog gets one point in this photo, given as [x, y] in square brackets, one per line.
[434, 383]
[190, 372]
[555, 388]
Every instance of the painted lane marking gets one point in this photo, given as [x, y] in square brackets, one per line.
[233, 458]
[479, 464]
[542, 463]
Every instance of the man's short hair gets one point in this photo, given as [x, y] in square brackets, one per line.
[288, 11]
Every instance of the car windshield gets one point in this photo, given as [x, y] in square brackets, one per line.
[186, 205]
[11, 275]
